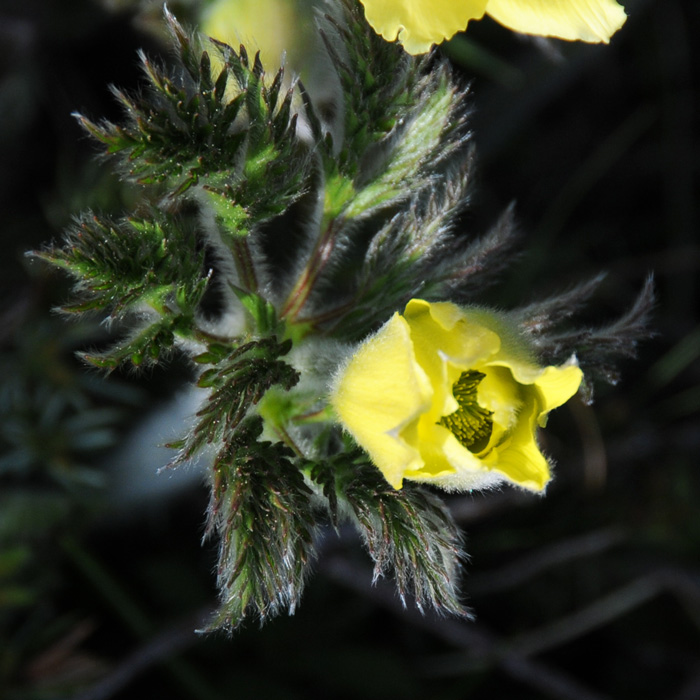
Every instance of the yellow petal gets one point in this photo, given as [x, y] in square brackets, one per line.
[465, 471]
[419, 24]
[556, 386]
[521, 460]
[501, 394]
[379, 393]
[446, 344]
[437, 445]
[513, 350]
[585, 20]
[445, 330]
[394, 392]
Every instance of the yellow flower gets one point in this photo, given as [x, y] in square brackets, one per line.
[270, 26]
[451, 396]
[419, 24]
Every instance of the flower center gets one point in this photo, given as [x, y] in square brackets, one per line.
[471, 424]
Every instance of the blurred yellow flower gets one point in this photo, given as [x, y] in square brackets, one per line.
[270, 26]
[451, 396]
[419, 24]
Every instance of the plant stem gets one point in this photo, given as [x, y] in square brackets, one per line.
[317, 261]
[244, 264]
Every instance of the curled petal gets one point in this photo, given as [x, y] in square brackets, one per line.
[556, 386]
[521, 460]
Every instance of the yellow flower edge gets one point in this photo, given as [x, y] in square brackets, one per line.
[418, 24]
[451, 396]
[593, 21]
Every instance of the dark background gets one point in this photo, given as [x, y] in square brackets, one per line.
[591, 592]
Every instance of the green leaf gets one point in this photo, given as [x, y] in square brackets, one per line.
[262, 513]
[262, 311]
[237, 381]
[431, 132]
[131, 263]
[410, 534]
[192, 126]
[144, 347]
[230, 215]
[377, 79]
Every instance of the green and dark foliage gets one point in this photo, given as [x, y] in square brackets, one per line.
[213, 145]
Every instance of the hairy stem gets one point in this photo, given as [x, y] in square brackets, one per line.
[317, 261]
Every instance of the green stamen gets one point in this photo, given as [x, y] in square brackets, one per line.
[471, 424]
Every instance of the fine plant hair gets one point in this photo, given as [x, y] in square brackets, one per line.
[253, 247]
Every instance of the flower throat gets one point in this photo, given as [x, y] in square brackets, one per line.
[471, 424]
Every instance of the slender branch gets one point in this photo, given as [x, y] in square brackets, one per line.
[561, 552]
[284, 436]
[157, 650]
[597, 614]
[469, 636]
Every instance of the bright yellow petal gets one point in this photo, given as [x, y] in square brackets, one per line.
[465, 470]
[445, 329]
[446, 345]
[521, 460]
[501, 394]
[585, 20]
[435, 444]
[381, 391]
[419, 24]
[394, 391]
[513, 350]
[556, 386]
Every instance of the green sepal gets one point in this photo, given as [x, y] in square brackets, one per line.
[262, 312]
